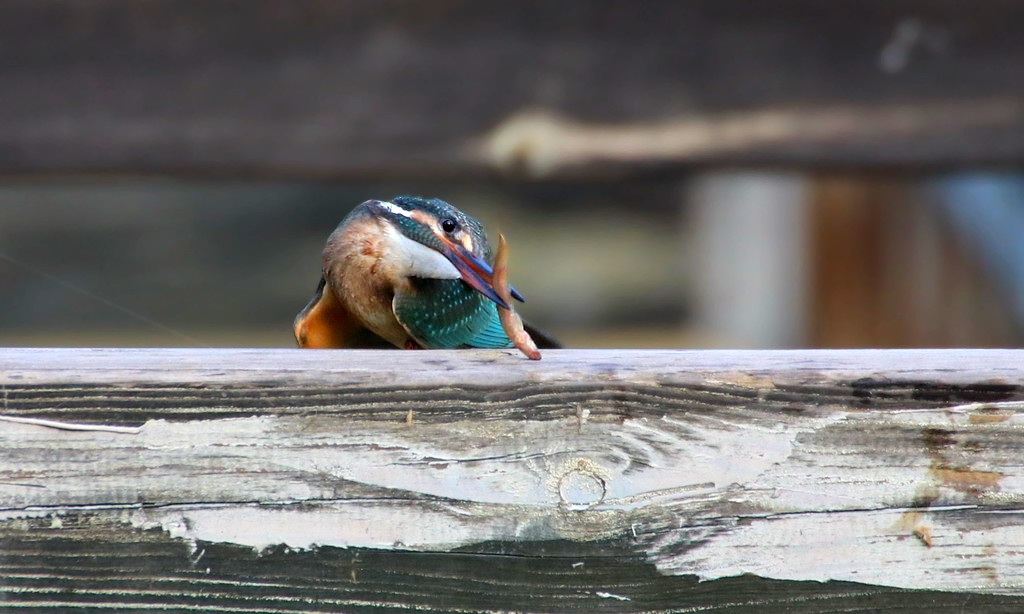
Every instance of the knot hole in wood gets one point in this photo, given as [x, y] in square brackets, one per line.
[582, 484]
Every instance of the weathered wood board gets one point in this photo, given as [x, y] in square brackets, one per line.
[230, 480]
[314, 88]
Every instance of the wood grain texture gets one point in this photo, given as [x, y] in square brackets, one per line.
[92, 564]
[477, 480]
[314, 88]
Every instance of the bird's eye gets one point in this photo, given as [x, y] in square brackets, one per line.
[449, 225]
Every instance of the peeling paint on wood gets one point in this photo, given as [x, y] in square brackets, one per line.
[892, 469]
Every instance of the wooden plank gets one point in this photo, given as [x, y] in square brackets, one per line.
[313, 88]
[474, 480]
[93, 563]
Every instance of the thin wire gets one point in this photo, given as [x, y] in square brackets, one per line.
[102, 300]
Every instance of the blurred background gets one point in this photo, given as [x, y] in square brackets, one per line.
[701, 174]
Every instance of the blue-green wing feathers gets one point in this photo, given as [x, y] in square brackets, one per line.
[448, 314]
[492, 335]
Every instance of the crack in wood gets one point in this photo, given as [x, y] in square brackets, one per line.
[73, 426]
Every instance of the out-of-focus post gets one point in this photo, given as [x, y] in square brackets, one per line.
[749, 251]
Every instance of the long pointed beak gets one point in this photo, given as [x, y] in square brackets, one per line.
[475, 272]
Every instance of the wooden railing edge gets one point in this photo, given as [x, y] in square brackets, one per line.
[890, 468]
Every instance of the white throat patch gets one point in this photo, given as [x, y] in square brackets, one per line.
[413, 259]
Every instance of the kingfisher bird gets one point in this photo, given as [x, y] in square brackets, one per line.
[411, 273]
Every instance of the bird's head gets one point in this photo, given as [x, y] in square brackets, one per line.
[438, 241]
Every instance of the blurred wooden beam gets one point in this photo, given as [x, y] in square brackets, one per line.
[313, 88]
